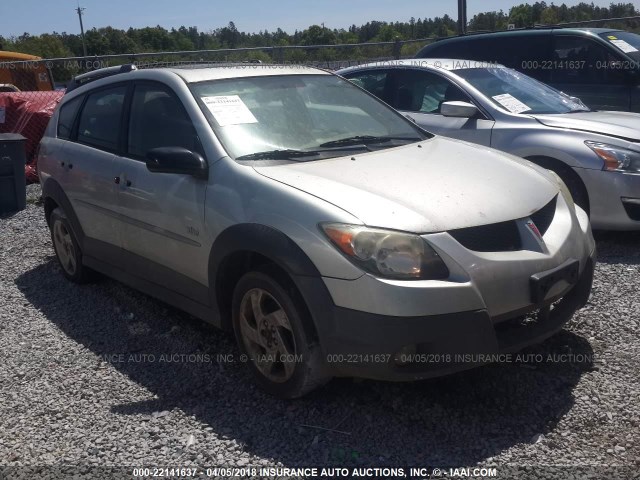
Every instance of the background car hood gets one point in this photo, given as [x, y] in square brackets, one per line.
[616, 124]
[442, 185]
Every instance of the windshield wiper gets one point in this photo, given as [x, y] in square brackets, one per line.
[364, 140]
[277, 155]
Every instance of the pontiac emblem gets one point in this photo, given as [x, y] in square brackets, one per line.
[532, 226]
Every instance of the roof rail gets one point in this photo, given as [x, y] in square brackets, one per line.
[85, 78]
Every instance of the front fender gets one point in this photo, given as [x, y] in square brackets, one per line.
[264, 240]
[563, 145]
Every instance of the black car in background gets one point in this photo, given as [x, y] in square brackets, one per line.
[598, 65]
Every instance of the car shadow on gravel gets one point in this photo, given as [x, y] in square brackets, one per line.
[457, 420]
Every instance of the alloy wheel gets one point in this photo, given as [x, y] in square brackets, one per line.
[267, 335]
[64, 247]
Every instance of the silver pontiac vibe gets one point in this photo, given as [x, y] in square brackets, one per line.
[332, 235]
[597, 154]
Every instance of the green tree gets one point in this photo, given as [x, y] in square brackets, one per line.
[521, 16]
[549, 16]
[317, 35]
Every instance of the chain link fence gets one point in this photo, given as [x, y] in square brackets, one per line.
[331, 57]
[31, 89]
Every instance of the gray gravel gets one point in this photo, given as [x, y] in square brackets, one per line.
[103, 375]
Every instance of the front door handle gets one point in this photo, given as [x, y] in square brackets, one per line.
[128, 183]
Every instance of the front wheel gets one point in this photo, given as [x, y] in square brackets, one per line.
[268, 323]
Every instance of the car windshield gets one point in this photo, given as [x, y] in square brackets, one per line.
[299, 117]
[626, 42]
[518, 93]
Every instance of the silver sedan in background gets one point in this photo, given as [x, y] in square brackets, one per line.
[597, 154]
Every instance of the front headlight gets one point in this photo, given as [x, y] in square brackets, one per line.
[387, 253]
[566, 194]
[616, 159]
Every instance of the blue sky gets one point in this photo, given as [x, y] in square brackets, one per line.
[41, 16]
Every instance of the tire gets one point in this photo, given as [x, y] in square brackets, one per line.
[269, 324]
[67, 250]
[576, 189]
[569, 177]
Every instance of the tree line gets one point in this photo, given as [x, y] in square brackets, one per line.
[108, 40]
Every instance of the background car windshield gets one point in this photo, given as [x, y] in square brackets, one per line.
[626, 42]
[518, 93]
[295, 112]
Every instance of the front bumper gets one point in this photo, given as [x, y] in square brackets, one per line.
[614, 199]
[362, 325]
[360, 344]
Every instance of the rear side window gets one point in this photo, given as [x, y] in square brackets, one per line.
[99, 124]
[527, 53]
[67, 116]
[458, 49]
[158, 119]
[425, 92]
[373, 81]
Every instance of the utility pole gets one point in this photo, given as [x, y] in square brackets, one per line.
[84, 44]
[462, 17]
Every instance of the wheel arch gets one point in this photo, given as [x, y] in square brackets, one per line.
[564, 171]
[245, 247]
[54, 197]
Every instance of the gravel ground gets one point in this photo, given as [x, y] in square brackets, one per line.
[103, 375]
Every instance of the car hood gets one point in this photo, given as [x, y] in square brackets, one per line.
[436, 185]
[616, 124]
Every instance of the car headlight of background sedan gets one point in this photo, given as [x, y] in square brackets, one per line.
[616, 159]
[387, 253]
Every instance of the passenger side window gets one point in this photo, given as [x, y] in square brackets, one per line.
[158, 119]
[424, 92]
[67, 116]
[579, 60]
[100, 119]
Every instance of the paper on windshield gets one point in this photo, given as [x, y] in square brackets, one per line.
[624, 46]
[511, 103]
[229, 110]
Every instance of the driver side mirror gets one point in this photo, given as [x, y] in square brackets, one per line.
[458, 109]
[177, 160]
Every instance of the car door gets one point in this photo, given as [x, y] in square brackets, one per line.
[162, 214]
[419, 95]
[586, 69]
[88, 165]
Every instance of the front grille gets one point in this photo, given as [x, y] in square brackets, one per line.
[496, 237]
[543, 217]
[503, 236]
